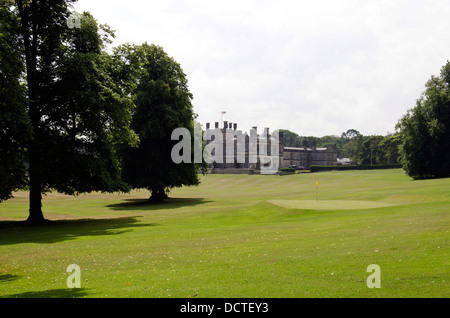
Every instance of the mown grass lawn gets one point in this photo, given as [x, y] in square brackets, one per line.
[237, 236]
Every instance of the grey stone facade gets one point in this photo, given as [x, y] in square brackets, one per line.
[240, 154]
[307, 156]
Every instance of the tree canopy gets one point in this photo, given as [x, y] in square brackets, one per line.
[14, 121]
[163, 103]
[425, 130]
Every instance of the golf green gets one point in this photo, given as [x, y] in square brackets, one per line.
[329, 204]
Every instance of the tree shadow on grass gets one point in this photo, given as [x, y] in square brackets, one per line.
[8, 278]
[16, 232]
[145, 204]
[52, 293]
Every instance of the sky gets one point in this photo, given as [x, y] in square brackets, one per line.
[313, 67]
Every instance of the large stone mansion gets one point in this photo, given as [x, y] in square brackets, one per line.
[240, 161]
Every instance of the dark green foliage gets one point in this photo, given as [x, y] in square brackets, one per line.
[370, 151]
[90, 116]
[351, 145]
[425, 131]
[14, 124]
[389, 149]
[291, 139]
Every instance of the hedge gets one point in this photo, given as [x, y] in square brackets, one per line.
[315, 168]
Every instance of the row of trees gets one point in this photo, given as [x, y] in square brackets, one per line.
[75, 118]
[352, 144]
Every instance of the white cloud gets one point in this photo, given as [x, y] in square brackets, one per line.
[314, 67]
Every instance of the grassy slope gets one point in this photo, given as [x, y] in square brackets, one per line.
[224, 239]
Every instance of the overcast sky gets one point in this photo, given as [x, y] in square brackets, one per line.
[313, 67]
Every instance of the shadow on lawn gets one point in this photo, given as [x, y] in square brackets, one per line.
[15, 232]
[145, 204]
[8, 278]
[52, 293]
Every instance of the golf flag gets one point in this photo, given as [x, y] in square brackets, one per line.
[317, 190]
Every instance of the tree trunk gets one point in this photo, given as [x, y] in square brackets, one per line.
[36, 215]
[34, 147]
[158, 195]
[35, 211]
[30, 38]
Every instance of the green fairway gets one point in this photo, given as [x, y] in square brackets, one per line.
[237, 236]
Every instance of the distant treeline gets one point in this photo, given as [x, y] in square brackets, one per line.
[362, 150]
[315, 168]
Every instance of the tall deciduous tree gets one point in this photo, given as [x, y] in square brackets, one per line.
[389, 149]
[163, 103]
[352, 144]
[79, 106]
[89, 114]
[369, 151]
[425, 130]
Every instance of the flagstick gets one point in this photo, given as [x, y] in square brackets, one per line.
[317, 190]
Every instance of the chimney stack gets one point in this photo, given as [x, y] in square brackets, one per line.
[216, 124]
[207, 125]
[305, 144]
